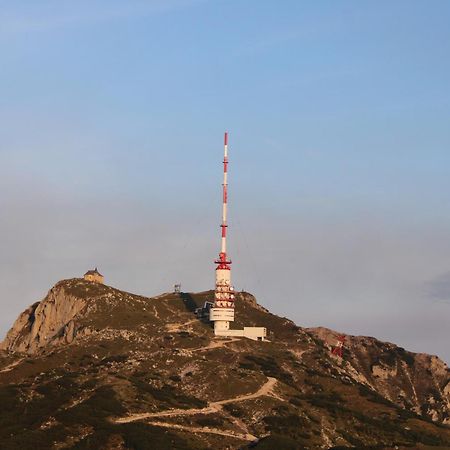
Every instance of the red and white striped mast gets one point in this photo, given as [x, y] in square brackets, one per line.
[223, 310]
[223, 262]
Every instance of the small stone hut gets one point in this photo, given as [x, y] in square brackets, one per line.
[94, 276]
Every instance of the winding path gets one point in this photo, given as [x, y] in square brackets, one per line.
[192, 429]
[265, 389]
[11, 366]
[215, 344]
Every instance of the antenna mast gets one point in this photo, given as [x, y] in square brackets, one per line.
[222, 312]
[223, 262]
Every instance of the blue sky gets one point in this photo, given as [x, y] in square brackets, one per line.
[112, 117]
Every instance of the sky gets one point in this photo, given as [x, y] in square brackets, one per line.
[112, 116]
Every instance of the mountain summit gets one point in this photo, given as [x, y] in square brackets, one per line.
[93, 367]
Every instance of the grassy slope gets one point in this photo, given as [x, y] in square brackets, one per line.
[135, 360]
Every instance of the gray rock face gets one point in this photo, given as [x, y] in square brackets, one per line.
[45, 323]
[414, 381]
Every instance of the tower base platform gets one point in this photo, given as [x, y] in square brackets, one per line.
[254, 333]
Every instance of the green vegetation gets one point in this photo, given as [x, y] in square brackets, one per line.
[235, 410]
[268, 366]
[136, 436]
[331, 401]
[209, 421]
[170, 396]
[277, 441]
[373, 396]
[140, 358]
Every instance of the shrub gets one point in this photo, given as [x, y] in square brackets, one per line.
[209, 422]
[234, 410]
[267, 365]
[277, 441]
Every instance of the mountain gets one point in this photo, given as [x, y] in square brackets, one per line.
[93, 367]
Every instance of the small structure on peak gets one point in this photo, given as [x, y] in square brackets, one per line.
[338, 349]
[94, 275]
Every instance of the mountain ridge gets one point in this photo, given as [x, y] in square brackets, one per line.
[152, 360]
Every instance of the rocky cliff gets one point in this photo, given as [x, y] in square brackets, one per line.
[46, 323]
[92, 367]
[414, 381]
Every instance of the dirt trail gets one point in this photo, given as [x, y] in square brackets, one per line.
[155, 311]
[172, 412]
[12, 365]
[215, 344]
[265, 389]
[174, 327]
[192, 429]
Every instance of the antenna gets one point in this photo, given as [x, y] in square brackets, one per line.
[223, 262]
[338, 349]
[222, 312]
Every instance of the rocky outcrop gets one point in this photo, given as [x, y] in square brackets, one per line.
[414, 381]
[45, 323]
[249, 298]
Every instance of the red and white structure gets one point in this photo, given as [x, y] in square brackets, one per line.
[222, 312]
[338, 349]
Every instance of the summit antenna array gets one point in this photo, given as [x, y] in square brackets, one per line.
[222, 311]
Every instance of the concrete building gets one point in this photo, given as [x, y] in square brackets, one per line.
[254, 333]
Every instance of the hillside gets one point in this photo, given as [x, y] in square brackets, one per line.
[92, 367]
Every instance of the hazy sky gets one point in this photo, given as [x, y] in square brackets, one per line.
[111, 119]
